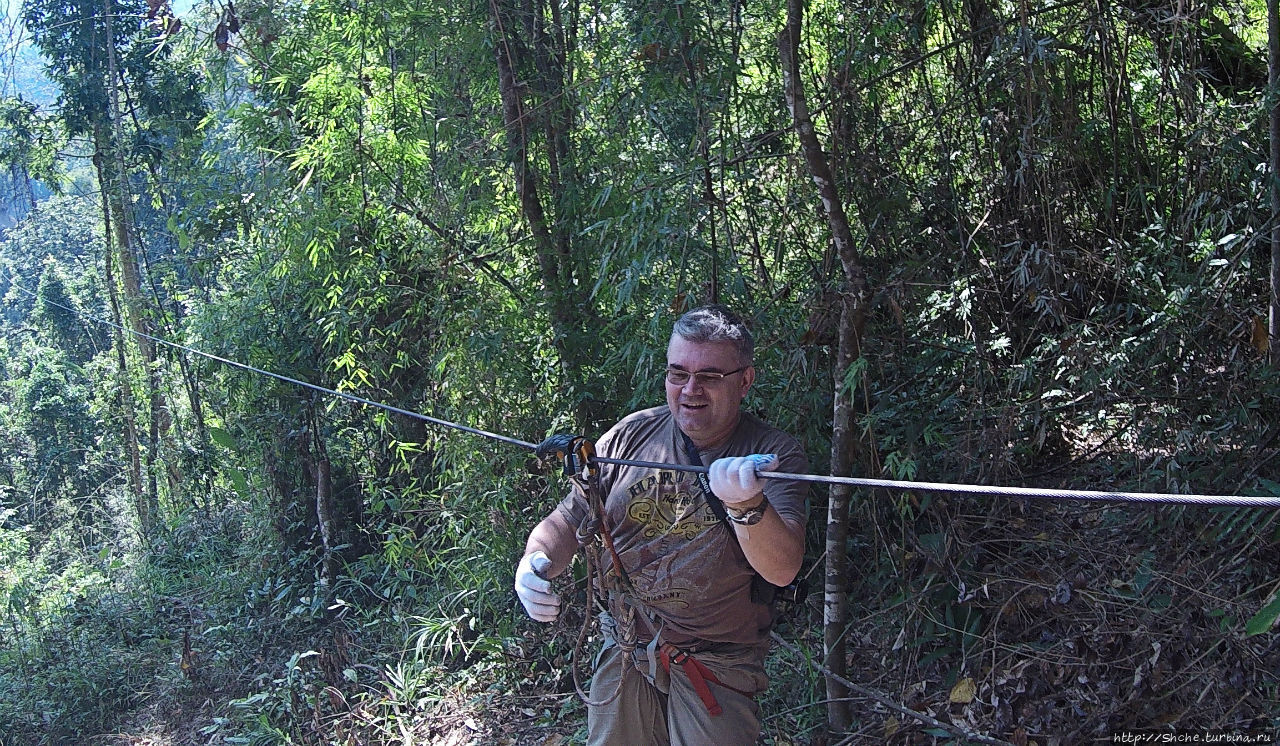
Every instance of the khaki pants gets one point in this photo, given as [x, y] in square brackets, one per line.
[665, 710]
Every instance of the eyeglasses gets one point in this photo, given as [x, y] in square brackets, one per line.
[680, 377]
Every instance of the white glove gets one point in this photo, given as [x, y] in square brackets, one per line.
[540, 603]
[734, 479]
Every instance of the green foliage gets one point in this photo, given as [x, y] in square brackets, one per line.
[72, 36]
[1265, 619]
[65, 229]
[57, 317]
[1065, 247]
[29, 143]
[73, 660]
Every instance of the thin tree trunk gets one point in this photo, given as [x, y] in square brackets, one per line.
[552, 237]
[137, 323]
[203, 441]
[514, 117]
[119, 199]
[324, 514]
[703, 123]
[148, 506]
[1273, 65]
[844, 439]
[124, 397]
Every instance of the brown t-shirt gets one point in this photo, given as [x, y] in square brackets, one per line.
[684, 562]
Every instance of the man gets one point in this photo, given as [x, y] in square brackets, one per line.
[691, 574]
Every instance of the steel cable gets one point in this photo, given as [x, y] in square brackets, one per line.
[870, 483]
[977, 489]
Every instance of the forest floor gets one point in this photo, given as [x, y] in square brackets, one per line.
[1072, 623]
[1029, 623]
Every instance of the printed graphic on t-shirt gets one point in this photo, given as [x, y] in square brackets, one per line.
[684, 564]
[666, 503]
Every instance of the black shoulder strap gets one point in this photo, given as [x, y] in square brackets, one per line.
[762, 591]
[713, 499]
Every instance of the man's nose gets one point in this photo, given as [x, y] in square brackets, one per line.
[692, 385]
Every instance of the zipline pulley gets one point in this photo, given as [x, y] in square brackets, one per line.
[575, 452]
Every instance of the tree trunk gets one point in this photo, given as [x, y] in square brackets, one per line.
[124, 258]
[131, 319]
[1273, 65]
[541, 74]
[120, 201]
[124, 397]
[324, 514]
[702, 119]
[844, 439]
[517, 124]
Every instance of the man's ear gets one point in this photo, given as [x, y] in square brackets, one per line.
[748, 378]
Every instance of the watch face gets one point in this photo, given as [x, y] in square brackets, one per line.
[749, 518]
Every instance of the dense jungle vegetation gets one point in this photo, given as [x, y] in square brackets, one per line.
[990, 242]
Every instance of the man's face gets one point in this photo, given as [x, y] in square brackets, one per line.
[707, 412]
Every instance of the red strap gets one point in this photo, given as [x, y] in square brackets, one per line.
[698, 675]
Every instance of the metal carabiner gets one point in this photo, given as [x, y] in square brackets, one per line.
[575, 452]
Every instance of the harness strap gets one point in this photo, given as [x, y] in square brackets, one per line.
[698, 674]
[653, 659]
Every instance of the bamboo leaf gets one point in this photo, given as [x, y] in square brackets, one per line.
[224, 439]
[1265, 619]
[239, 481]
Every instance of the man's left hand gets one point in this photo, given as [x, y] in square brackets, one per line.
[735, 480]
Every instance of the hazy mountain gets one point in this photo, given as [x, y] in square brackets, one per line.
[22, 74]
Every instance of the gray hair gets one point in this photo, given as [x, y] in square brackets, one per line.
[716, 323]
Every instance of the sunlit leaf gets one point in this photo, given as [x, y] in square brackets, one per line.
[1265, 619]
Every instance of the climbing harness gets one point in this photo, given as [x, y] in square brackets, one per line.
[699, 676]
[613, 591]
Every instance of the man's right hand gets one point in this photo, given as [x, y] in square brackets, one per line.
[534, 590]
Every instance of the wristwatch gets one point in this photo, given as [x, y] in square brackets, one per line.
[750, 516]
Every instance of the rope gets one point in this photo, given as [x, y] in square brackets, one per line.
[890, 484]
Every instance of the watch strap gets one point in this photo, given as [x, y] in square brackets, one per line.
[750, 516]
